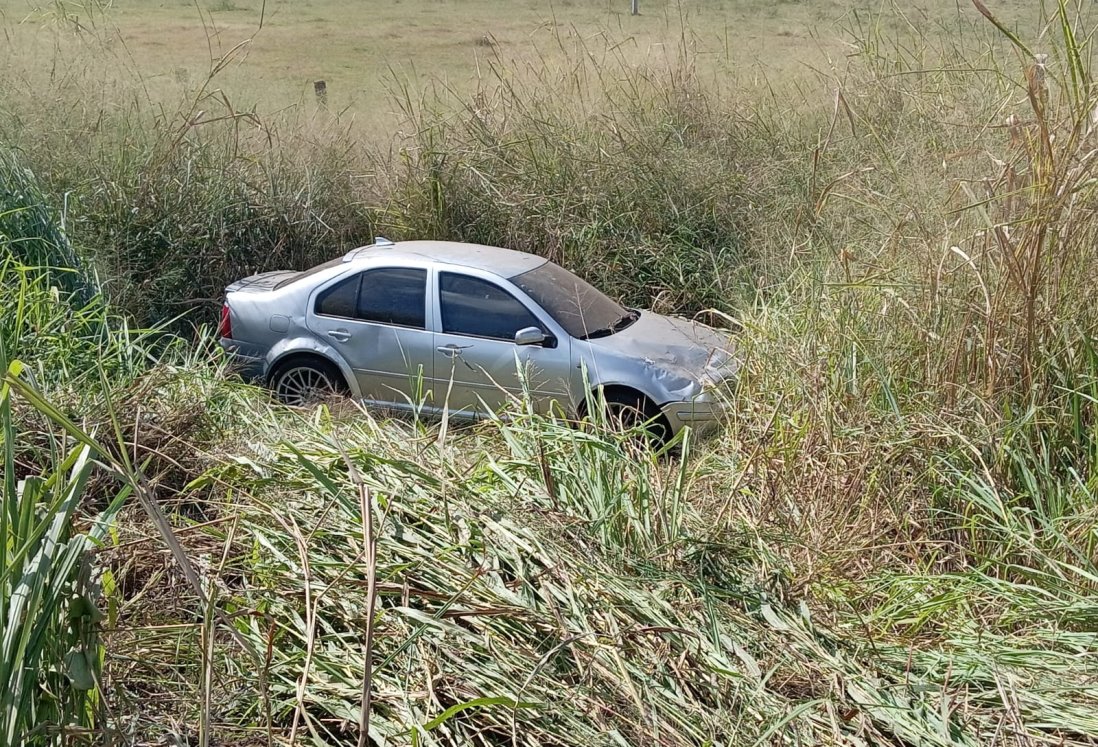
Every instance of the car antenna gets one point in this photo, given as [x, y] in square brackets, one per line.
[382, 241]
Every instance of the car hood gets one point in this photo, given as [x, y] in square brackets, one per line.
[674, 343]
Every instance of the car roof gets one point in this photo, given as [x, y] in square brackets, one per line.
[503, 262]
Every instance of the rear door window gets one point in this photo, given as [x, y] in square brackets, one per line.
[394, 295]
[389, 295]
[339, 299]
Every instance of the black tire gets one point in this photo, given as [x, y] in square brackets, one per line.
[626, 410]
[301, 382]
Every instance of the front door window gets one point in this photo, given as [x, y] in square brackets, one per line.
[478, 366]
[477, 308]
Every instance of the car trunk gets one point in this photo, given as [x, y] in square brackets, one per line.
[264, 281]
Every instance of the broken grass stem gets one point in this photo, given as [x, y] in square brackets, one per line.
[369, 542]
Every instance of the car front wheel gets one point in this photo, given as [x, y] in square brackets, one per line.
[628, 410]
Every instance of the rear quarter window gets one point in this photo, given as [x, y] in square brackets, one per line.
[339, 299]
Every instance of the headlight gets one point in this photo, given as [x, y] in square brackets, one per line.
[678, 384]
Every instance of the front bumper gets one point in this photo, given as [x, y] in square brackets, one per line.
[703, 413]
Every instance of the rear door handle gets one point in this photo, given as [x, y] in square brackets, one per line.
[452, 351]
[339, 334]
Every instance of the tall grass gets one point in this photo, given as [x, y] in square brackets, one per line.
[513, 605]
[31, 234]
[641, 179]
[72, 370]
[50, 654]
[155, 193]
[643, 182]
[892, 541]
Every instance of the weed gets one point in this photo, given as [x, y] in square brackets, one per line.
[891, 541]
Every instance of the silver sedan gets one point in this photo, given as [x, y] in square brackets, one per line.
[431, 325]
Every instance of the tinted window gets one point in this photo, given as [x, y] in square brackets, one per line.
[394, 295]
[339, 299]
[477, 308]
[575, 304]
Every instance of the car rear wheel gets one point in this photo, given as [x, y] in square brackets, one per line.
[306, 381]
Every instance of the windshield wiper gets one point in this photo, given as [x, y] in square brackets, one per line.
[613, 327]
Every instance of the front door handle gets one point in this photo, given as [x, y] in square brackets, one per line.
[451, 351]
[339, 334]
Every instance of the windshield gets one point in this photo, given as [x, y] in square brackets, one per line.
[579, 307]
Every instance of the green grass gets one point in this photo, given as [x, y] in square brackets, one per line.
[33, 236]
[891, 541]
[50, 653]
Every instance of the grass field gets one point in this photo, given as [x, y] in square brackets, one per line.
[892, 541]
[365, 50]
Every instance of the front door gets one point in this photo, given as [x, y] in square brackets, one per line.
[477, 364]
[376, 319]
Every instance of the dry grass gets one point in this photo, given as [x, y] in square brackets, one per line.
[365, 49]
[892, 541]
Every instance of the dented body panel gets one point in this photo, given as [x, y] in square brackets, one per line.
[429, 326]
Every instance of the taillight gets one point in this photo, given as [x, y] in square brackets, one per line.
[224, 325]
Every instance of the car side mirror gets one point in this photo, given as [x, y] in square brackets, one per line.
[530, 336]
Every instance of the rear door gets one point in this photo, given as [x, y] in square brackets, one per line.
[377, 320]
[477, 363]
